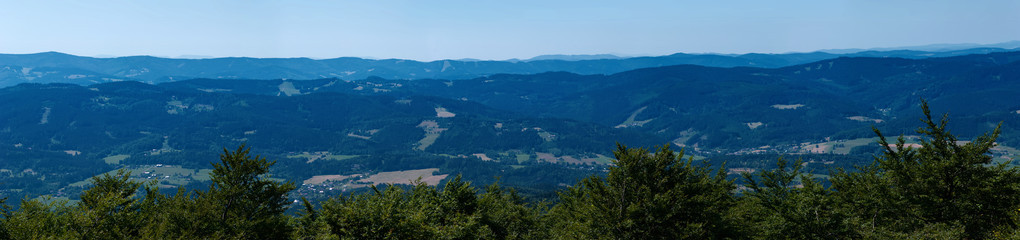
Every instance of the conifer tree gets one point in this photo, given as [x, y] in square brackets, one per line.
[647, 196]
[110, 209]
[5, 212]
[242, 201]
[785, 203]
[943, 187]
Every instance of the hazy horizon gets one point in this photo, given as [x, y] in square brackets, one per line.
[1015, 43]
[427, 31]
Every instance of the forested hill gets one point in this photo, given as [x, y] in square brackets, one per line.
[726, 109]
[54, 135]
[53, 67]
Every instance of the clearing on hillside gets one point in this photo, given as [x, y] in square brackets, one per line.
[287, 88]
[630, 122]
[322, 155]
[432, 132]
[319, 179]
[115, 159]
[443, 113]
[787, 106]
[406, 177]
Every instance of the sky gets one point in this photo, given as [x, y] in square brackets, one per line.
[496, 30]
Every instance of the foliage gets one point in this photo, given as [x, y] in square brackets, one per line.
[110, 208]
[944, 185]
[647, 195]
[788, 204]
[423, 212]
[241, 204]
[243, 201]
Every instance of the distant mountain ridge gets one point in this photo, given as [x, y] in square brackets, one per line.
[931, 47]
[573, 57]
[54, 67]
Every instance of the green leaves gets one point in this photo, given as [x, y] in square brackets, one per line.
[647, 195]
[110, 209]
[944, 184]
[788, 204]
[245, 202]
[424, 212]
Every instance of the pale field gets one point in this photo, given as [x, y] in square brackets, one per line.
[631, 122]
[600, 159]
[319, 179]
[548, 157]
[482, 156]
[115, 159]
[787, 106]
[406, 177]
[443, 113]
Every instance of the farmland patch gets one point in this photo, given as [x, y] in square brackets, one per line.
[406, 177]
[787, 106]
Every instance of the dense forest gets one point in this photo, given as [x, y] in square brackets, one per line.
[943, 189]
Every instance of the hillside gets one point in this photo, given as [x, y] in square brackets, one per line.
[133, 125]
[54, 67]
[726, 109]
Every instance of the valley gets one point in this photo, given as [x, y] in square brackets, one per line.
[535, 131]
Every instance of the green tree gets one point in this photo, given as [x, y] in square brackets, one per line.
[110, 208]
[392, 213]
[177, 215]
[507, 216]
[941, 187]
[36, 219]
[242, 201]
[456, 211]
[5, 212]
[307, 224]
[785, 203]
[647, 196]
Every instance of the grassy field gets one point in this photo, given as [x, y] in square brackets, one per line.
[164, 174]
[432, 131]
[601, 159]
[115, 159]
[546, 157]
[165, 149]
[319, 179]
[523, 157]
[547, 136]
[287, 88]
[429, 139]
[630, 122]
[844, 146]
[1006, 154]
[315, 156]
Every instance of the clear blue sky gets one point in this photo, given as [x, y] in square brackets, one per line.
[429, 30]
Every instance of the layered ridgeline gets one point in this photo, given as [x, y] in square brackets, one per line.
[538, 130]
[726, 110]
[53, 67]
